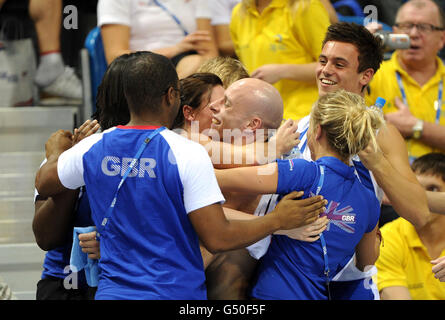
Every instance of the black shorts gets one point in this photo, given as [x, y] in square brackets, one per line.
[15, 6]
[175, 60]
[52, 288]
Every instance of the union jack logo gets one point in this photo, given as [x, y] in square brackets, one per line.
[343, 218]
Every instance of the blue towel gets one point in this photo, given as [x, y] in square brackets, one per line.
[80, 259]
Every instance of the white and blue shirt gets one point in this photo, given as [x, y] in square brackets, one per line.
[149, 248]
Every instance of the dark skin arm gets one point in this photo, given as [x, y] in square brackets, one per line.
[54, 216]
[219, 234]
[53, 219]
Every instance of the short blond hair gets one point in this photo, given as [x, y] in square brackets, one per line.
[227, 69]
[348, 123]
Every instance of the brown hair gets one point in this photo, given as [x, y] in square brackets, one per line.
[193, 88]
[430, 164]
[370, 48]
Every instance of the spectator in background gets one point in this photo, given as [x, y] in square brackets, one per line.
[279, 41]
[53, 77]
[404, 265]
[221, 15]
[412, 80]
[177, 29]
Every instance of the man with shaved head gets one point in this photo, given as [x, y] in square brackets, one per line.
[249, 109]
[248, 104]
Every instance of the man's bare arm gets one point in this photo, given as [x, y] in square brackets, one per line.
[391, 169]
[395, 293]
[219, 234]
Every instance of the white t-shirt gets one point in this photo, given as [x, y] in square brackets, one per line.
[151, 26]
[222, 11]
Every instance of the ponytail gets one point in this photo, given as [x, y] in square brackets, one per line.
[348, 123]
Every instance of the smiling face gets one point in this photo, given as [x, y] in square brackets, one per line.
[424, 44]
[337, 68]
[230, 111]
[203, 114]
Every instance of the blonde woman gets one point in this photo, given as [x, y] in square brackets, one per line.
[279, 41]
[341, 126]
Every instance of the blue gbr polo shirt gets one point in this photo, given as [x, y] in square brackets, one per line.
[149, 249]
[293, 269]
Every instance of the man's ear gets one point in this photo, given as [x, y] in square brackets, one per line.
[254, 124]
[366, 77]
[189, 115]
[170, 96]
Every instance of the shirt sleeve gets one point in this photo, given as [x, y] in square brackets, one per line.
[221, 12]
[114, 12]
[295, 174]
[203, 10]
[390, 266]
[311, 21]
[201, 188]
[70, 163]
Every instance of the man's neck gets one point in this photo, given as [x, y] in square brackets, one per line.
[420, 72]
[148, 120]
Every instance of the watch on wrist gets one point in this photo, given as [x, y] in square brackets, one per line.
[418, 129]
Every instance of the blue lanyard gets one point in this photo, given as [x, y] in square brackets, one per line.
[322, 239]
[305, 142]
[129, 169]
[438, 104]
[174, 17]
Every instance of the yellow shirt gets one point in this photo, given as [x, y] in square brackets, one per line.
[282, 36]
[404, 261]
[421, 100]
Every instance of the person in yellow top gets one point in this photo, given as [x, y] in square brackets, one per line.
[412, 80]
[404, 268]
[279, 41]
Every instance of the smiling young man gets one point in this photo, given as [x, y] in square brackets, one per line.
[350, 57]
[412, 80]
